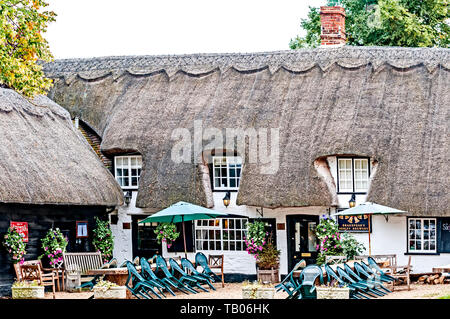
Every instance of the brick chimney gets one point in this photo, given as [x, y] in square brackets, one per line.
[332, 20]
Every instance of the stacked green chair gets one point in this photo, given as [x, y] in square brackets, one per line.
[138, 286]
[363, 288]
[289, 283]
[186, 279]
[189, 267]
[202, 261]
[373, 264]
[374, 273]
[170, 279]
[370, 277]
[306, 288]
[355, 291]
[148, 274]
[373, 286]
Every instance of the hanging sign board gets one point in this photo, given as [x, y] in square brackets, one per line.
[354, 223]
[22, 228]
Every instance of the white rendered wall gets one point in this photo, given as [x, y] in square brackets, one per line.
[123, 249]
[240, 262]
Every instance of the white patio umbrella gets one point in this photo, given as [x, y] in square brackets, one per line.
[369, 208]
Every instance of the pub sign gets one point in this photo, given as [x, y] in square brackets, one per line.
[22, 228]
[355, 224]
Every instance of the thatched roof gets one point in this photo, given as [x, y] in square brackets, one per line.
[44, 160]
[391, 104]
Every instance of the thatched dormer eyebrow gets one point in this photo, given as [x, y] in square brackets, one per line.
[43, 160]
[390, 104]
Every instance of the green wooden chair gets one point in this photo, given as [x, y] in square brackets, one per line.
[189, 267]
[170, 279]
[137, 285]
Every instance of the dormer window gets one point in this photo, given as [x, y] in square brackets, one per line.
[353, 175]
[127, 170]
[226, 172]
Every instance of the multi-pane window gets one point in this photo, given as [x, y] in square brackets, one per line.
[422, 234]
[226, 172]
[353, 175]
[128, 170]
[220, 234]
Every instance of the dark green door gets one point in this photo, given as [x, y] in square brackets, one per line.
[301, 237]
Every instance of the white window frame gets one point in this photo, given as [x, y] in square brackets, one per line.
[229, 160]
[207, 225]
[422, 231]
[129, 167]
[353, 170]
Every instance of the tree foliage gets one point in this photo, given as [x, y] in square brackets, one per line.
[406, 23]
[22, 23]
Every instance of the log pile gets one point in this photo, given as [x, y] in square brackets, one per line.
[433, 279]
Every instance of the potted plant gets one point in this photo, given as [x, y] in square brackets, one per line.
[166, 232]
[333, 290]
[15, 246]
[264, 251]
[268, 263]
[108, 290]
[54, 244]
[257, 290]
[27, 290]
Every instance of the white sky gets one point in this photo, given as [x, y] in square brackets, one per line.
[88, 28]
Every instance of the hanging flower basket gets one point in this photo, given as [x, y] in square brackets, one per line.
[166, 233]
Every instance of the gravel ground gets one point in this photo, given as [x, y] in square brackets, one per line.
[233, 291]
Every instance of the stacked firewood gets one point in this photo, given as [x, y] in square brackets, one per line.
[433, 279]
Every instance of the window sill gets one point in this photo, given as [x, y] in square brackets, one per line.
[421, 254]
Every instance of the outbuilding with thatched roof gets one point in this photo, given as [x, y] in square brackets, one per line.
[51, 177]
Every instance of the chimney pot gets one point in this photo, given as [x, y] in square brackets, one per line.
[332, 21]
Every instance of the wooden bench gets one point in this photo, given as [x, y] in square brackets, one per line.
[78, 265]
[384, 261]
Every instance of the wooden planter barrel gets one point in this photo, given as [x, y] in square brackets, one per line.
[268, 275]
